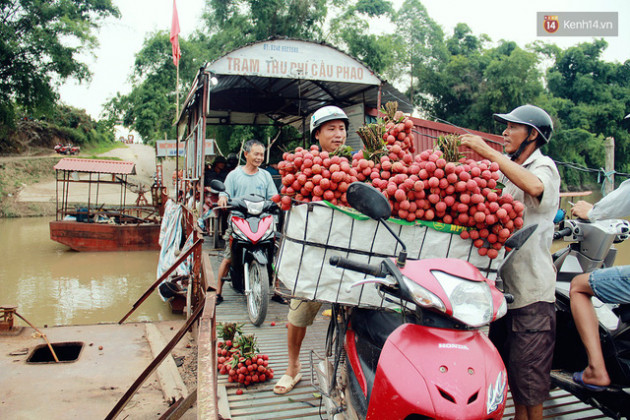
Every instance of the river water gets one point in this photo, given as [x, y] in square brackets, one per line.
[52, 285]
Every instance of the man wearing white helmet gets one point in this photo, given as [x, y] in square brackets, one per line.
[329, 126]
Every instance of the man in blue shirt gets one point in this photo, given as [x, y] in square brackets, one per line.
[244, 180]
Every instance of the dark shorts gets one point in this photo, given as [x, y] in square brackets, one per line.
[530, 334]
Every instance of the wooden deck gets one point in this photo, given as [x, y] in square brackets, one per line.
[259, 402]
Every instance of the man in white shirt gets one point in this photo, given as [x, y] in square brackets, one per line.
[610, 285]
[531, 178]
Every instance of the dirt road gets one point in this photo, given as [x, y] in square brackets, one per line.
[144, 158]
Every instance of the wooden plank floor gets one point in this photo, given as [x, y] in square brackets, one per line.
[259, 402]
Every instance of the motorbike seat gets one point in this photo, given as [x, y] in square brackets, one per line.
[623, 312]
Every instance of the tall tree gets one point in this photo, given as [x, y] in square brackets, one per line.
[228, 24]
[350, 31]
[39, 44]
[472, 82]
[422, 41]
[593, 96]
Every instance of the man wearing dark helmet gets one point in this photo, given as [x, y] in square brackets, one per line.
[531, 178]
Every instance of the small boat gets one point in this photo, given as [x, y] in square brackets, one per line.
[112, 224]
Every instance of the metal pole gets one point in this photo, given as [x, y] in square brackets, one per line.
[56, 195]
[98, 184]
[609, 147]
[67, 187]
[87, 216]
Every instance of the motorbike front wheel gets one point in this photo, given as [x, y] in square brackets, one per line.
[258, 297]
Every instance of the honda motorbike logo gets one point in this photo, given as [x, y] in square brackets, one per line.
[453, 346]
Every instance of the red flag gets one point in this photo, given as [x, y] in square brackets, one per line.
[177, 53]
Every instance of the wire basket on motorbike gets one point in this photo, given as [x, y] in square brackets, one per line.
[314, 232]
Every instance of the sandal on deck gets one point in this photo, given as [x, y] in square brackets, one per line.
[286, 383]
[578, 378]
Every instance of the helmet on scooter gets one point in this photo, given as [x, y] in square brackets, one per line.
[531, 116]
[325, 114]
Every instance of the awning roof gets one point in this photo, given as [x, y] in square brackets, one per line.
[96, 166]
[286, 80]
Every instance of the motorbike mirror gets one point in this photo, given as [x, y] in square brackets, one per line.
[519, 238]
[368, 200]
[371, 202]
[217, 185]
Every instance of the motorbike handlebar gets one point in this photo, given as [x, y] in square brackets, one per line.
[509, 298]
[373, 270]
[562, 233]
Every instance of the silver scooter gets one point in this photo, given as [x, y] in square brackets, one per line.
[591, 247]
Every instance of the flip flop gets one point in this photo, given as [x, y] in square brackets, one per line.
[578, 378]
[286, 383]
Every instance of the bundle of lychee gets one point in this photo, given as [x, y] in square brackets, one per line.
[228, 332]
[245, 365]
[314, 175]
[398, 128]
[431, 187]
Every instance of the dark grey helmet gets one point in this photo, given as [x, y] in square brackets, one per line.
[531, 116]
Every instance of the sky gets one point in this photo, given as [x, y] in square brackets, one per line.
[120, 39]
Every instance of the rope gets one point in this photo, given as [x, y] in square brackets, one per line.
[603, 176]
[607, 178]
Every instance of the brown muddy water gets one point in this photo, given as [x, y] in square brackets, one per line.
[52, 285]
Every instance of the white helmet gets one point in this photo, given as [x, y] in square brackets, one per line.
[325, 114]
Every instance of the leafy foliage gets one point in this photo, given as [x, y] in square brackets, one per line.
[590, 97]
[39, 44]
[473, 82]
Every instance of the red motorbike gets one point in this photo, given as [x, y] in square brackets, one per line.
[429, 358]
[253, 242]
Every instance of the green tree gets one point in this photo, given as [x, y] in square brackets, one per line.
[472, 82]
[39, 44]
[350, 31]
[593, 96]
[150, 106]
[422, 42]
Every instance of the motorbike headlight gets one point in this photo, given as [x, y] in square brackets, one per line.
[254, 207]
[238, 232]
[269, 232]
[502, 309]
[423, 297]
[471, 300]
[496, 392]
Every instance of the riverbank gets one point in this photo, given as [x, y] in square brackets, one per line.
[27, 183]
[17, 174]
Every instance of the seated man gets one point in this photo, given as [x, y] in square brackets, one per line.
[244, 180]
[610, 285]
